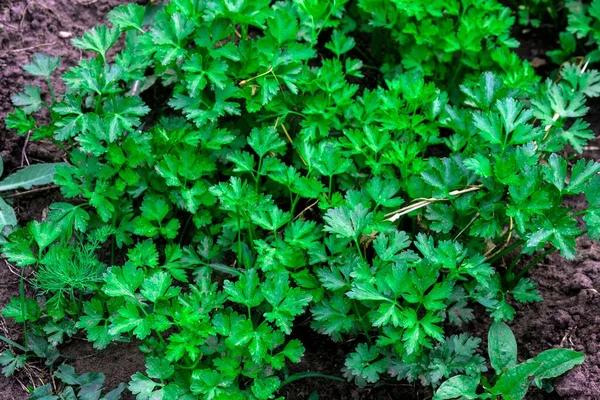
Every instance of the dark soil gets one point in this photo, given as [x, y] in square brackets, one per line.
[568, 317]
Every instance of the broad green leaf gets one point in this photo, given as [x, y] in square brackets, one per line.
[458, 386]
[142, 386]
[8, 218]
[38, 174]
[502, 347]
[283, 26]
[514, 383]
[555, 362]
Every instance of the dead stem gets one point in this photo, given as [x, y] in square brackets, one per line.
[394, 215]
[24, 150]
[42, 189]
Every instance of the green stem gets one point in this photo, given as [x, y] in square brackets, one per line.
[162, 340]
[330, 186]
[59, 144]
[239, 224]
[51, 89]
[505, 251]
[257, 180]
[304, 375]
[358, 249]
[185, 227]
[23, 305]
[12, 343]
[513, 264]
[533, 263]
[112, 250]
[362, 322]
[578, 213]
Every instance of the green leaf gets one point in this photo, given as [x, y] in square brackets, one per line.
[99, 39]
[592, 220]
[486, 92]
[122, 115]
[362, 363]
[264, 388]
[130, 16]
[123, 281]
[388, 247]
[556, 172]
[37, 174]
[444, 175]
[142, 386]
[158, 368]
[246, 290]
[42, 65]
[502, 347]
[270, 219]
[283, 26]
[168, 35]
[442, 217]
[287, 302]
[458, 386]
[555, 362]
[514, 383]
[20, 121]
[346, 223]
[21, 312]
[8, 218]
[19, 252]
[128, 319]
[526, 291]
[11, 362]
[581, 173]
[30, 100]
[340, 43]
[94, 323]
[265, 141]
[197, 74]
[158, 286]
[330, 160]
[479, 164]
[383, 191]
[44, 233]
[578, 135]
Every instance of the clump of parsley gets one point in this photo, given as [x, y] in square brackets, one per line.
[255, 162]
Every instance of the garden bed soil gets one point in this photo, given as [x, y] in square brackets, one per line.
[568, 317]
